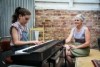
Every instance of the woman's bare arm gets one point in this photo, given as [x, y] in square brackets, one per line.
[16, 40]
[69, 37]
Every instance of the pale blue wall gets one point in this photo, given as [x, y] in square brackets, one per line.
[7, 8]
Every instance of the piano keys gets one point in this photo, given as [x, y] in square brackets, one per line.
[29, 48]
[38, 54]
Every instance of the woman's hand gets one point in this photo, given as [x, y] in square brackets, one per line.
[37, 42]
[73, 47]
[67, 47]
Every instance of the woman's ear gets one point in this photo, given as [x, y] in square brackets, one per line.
[20, 15]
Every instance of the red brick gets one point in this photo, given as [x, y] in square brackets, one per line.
[58, 23]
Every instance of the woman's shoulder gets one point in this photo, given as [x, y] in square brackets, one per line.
[16, 24]
[72, 30]
[85, 28]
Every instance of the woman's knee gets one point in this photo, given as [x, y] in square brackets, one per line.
[68, 53]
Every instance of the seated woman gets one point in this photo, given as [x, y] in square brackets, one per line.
[81, 36]
[18, 30]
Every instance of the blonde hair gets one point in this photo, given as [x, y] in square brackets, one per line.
[80, 16]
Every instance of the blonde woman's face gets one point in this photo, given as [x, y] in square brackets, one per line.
[77, 22]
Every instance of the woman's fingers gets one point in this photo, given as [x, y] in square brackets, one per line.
[72, 46]
[67, 47]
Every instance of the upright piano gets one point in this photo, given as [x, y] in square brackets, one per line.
[38, 55]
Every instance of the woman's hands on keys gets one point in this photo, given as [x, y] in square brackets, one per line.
[38, 42]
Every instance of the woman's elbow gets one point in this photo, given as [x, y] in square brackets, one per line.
[88, 43]
[16, 42]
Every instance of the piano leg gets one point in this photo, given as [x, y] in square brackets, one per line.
[56, 60]
[44, 64]
[65, 57]
[49, 64]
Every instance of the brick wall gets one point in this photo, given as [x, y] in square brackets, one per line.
[58, 23]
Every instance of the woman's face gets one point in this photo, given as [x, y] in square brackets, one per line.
[78, 22]
[24, 19]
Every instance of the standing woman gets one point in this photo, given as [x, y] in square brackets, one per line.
[18, 30]
[81, 36]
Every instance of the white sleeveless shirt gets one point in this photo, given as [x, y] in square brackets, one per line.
[79, 34]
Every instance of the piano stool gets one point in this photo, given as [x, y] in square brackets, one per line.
[86, 61]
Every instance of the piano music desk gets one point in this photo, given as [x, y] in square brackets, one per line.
[86, 61]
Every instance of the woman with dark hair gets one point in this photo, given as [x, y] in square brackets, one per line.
[18, 30]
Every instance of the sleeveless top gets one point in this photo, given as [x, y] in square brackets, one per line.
[79, 36]
[22, 35]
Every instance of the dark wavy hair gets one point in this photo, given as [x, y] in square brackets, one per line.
[19, 11]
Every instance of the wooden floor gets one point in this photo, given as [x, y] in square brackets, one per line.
[86, 61]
